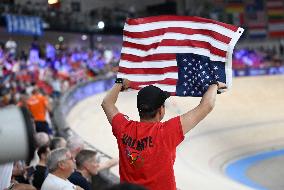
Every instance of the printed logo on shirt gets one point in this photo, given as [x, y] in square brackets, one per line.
[135, 158]
[137, 144]
[135, 147]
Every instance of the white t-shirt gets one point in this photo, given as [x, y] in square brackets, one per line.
[11, 46]
[53, 182]
[5, 175]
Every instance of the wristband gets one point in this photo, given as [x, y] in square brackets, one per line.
[119, 81]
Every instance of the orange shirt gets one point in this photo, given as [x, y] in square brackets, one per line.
[37, 105]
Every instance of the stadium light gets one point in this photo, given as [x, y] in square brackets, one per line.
[60, 39]
[101, 24]
[84, 37]
[51, 2]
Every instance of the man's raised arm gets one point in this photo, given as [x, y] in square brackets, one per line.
[110, 99]
[190, 119]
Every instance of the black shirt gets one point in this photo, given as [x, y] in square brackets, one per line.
[77, 179]
[39, 176]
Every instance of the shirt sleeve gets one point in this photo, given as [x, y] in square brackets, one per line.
[173, 132]
[118, 121]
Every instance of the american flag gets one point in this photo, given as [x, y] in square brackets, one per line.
[179, 54]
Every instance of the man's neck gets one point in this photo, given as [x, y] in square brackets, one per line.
[85, 174]
[60, 175]
[42, 163]
[152, 120]
[149, 120]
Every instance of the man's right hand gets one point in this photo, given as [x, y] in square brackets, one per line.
[221, 85]
[126, 84]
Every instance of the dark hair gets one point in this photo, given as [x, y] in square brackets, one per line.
[42, 150]
[148, 114]
[126, 186]
[83, 156]
[55, 142]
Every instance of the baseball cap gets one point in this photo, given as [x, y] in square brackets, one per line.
[151, 98]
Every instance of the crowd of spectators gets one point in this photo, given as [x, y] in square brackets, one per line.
[50, 69]
[258, 58]
[53, 165]
[36, 80]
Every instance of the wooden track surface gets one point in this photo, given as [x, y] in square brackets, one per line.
[247, 119]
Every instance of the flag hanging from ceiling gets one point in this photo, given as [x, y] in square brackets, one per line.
[179, 54]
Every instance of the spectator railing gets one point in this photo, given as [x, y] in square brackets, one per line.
[67, 102]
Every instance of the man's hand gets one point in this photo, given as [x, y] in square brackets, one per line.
[221, 85]
[126, 84]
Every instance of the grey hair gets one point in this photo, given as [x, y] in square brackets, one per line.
[56, 143]
[55, 157]
[74, 143]
[84, 156]
[41, 139]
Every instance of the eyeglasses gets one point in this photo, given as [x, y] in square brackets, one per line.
[71, 158]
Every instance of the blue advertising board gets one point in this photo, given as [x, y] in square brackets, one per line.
[259, 71]
[24, 25]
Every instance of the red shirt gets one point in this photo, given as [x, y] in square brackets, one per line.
[147, 151]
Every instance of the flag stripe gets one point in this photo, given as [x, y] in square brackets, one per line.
[147, 78]
[155, 57]
[185, 24]
[168, 88]
[133, 54]
[186, 43]
[156, 19]
[178, 30]
[170, 36]
[277, 34]
[147, 64]
[165, 82]
[156, 71]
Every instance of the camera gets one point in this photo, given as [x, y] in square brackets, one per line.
[16, 134]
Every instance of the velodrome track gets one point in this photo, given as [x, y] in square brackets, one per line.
[246, 120]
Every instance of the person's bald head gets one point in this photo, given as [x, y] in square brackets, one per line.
[41, 139]
[75, 145]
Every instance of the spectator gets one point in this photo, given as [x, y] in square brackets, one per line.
[57, 142]
[5, 182]
[39, 107]
[87, 166]
[41, 171]
[61, 165]
[41, 139]
[148, 147]
[75, 145]
[11, 46]
[19, 172]
[5, 175]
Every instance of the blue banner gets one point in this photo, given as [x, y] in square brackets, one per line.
[26, 25]
[259, 71]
